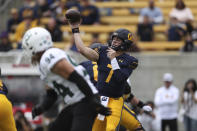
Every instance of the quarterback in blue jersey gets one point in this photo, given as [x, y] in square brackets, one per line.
[128, 119]
[114, 68]
[7, 122]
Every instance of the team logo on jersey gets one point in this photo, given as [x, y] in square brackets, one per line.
[120, 60]
[130, 36]
[104, 99]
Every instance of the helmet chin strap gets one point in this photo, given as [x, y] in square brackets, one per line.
[116, 48]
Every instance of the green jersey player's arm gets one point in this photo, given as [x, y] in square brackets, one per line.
[64, 69]
[67, 71]
[48, 100]
[85, 51]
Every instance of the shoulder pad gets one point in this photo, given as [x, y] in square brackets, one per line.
[96, 46]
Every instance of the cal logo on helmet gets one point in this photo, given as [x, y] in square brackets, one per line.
[130, 37]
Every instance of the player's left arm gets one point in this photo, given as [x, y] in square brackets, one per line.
[59, 65]
[67, 71]
[49, 99]
[134, 100]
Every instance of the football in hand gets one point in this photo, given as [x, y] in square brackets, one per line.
[73, 16]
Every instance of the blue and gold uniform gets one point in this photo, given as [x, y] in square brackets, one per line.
[128, 119]
[111, 82]
[112, 78]
[7, 122]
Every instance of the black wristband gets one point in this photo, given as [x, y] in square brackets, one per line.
[140, 104]
[75, 30]
[81, 83]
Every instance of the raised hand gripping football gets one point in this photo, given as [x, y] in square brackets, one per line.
[73, 17]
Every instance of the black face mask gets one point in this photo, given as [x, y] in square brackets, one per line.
[116, 48]
[121, 47]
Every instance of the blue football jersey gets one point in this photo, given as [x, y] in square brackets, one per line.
[112, 82]
[91, 68]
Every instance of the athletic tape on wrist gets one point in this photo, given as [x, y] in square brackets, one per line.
[114, 64]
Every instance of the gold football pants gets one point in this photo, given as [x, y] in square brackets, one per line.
[112, 122]
[129, 119]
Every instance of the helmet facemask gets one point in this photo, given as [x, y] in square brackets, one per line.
[116, 47]
[127, 38]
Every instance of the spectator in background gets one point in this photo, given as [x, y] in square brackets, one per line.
[101, 0]
[26, 24]
[22, 123]
[51, 2]
[194, 32]
[95, 38]
[60, 11]
[149, 120]
[189, 102]
[75, 4]
[189, 45]
[43, 7]
[28, 4]
[166, 100]
[145, 30]
[175, 31]
[54, 30]
[181, 12]
[90, 13]
[5, 44]
[154, 13]
[13, 21]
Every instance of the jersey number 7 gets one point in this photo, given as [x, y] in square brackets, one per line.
[95, 72]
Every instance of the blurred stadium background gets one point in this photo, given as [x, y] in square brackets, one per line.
[157, 55]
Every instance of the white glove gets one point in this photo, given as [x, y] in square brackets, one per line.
[147, 108]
